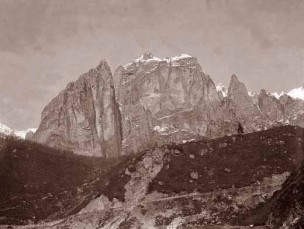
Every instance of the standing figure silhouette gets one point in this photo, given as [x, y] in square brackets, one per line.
[240, 130]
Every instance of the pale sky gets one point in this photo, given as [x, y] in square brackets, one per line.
[44, 44]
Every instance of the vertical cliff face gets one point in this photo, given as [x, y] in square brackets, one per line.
[84, 117]
[162, 98]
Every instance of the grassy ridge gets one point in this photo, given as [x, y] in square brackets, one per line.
[230, 161]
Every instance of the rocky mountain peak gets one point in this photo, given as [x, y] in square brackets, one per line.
[155, 94]
[234, 79]
[84, 117]
[237, 90]
[244, 106]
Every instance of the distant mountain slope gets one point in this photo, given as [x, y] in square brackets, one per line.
[225, 181]
[18, 133]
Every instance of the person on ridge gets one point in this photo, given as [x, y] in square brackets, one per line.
[240, 130]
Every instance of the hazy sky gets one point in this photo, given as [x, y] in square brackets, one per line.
[46, 44]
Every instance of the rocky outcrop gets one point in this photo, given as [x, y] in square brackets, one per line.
[85, 117]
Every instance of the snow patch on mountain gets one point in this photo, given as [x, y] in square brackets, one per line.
[18, 133]
[148, 57]
[22, 133]
[277, 95]
[179, 57]
[222, 88]
[5, 129]
[297, 93]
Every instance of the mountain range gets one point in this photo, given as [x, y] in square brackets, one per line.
[142, 104]
[152, 101]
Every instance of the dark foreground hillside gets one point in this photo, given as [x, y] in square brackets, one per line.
[234, 180]
[38, 182]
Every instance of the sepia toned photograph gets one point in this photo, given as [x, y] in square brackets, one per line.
[151, 114]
